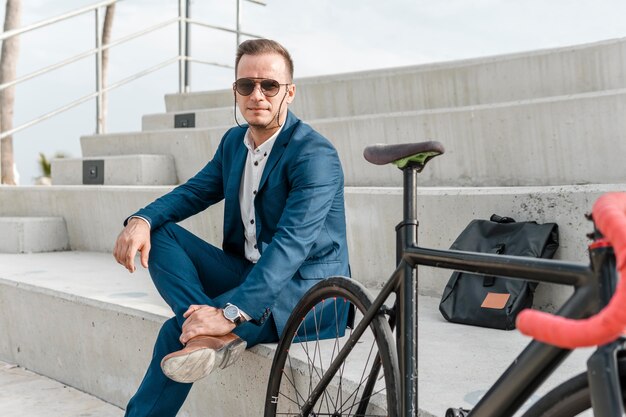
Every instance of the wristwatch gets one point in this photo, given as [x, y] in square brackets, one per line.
[231, 313]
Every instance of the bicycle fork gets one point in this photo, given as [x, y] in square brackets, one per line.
[604, 383]
[602, 366]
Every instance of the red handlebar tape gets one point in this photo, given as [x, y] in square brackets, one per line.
[609, 214]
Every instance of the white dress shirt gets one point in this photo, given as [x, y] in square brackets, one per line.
[251, 177]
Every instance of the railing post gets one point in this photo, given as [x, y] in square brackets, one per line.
[182, 39]
[187, 46]
[99, 126]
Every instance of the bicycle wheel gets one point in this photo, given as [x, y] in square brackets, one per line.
[309, 344]
[571, 398]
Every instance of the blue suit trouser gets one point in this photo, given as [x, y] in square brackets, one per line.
[187, 270]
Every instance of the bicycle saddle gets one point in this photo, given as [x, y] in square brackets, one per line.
[403, 154]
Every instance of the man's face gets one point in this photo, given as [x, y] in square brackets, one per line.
[258, 109]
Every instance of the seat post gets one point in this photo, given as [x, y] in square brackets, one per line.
[406, 230]
[410, 199]
[406, 301]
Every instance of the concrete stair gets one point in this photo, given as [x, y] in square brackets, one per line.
[372, 213]
[111, 319]
[535, 136]
[115, 170]
[191, 149]
[33, 234]
[551, 142]
[527, 75]
[99, 324]
[217, 117]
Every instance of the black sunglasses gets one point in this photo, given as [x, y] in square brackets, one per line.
[245, 86]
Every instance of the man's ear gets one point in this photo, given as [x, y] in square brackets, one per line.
[291, 93]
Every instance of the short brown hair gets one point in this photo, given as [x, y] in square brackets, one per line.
[264, 46]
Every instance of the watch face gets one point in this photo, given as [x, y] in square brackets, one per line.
[231, 312]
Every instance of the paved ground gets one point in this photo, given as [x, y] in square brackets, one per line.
[459, 363]
[26, 394]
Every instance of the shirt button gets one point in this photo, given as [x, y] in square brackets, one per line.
[256, 162]
[254, 192]
[255, 247]
[252, 221]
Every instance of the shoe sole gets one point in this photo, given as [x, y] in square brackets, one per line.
[199, 364]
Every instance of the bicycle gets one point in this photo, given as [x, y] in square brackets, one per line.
[309, 374]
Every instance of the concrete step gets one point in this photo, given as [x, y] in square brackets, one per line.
[25, 393]
[32, 234]
[215, 117]
[96, 213]
[115, 317]
[520, 76]
[190, 148]
[561, 140]
[115, 170]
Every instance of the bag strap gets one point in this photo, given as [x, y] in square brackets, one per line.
[489, 280]
[499, 219]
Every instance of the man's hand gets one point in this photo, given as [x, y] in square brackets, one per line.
[135, 237]
[203, 320]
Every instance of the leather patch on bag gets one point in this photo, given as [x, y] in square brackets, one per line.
[495, 300]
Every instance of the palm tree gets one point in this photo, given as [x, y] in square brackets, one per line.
[8, 64]
[106, 38]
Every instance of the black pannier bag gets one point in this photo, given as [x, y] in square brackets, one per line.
[493, 301]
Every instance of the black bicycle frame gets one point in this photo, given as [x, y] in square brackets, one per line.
[593, 286]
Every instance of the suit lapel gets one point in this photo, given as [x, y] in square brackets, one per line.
[279, 147]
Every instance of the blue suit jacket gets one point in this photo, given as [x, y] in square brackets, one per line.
[300, 216]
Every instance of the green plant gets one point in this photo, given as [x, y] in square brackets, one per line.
[45, 164]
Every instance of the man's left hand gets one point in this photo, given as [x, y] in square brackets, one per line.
[203, 320]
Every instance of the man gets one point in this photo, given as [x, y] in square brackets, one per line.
[284, 230]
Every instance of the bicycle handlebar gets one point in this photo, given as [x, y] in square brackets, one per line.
[609, 215]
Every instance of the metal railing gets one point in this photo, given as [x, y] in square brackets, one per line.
[183, 19]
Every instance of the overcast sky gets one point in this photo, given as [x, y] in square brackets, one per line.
[324, 37]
